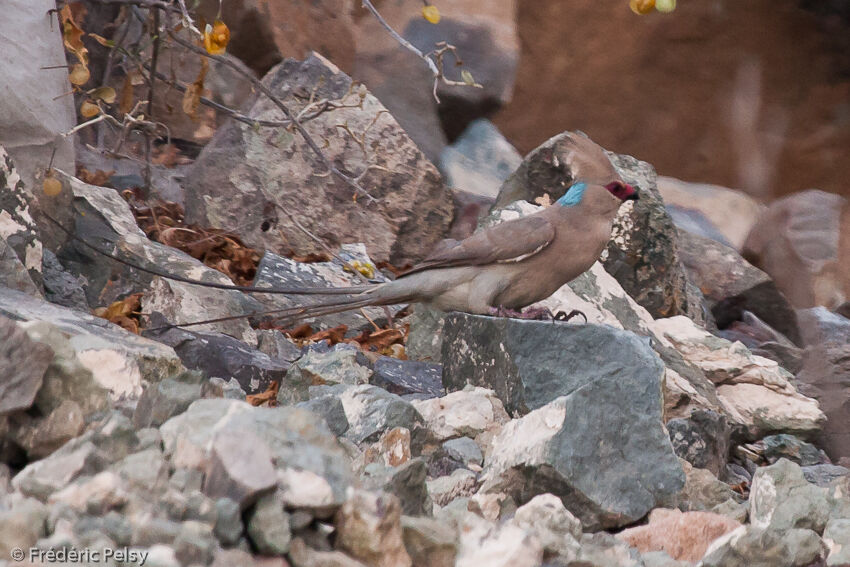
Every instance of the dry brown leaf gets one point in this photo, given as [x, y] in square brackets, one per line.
[72, 33]
[124, 312]
[126, 103]
[192, 96]
[269, 397]
[311, 257]
[99, 177]
[333, 336]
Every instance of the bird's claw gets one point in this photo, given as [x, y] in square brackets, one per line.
[561, 316]
[536, 314]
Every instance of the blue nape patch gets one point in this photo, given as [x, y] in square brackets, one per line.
[573, 195]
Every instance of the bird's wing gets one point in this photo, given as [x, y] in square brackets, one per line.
[587, 160]
[510, 241]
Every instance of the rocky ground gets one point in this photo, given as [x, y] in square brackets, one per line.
[698, 417]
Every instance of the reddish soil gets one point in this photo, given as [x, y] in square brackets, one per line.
[751, 94]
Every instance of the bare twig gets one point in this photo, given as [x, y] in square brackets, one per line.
[151, 93]
[259, 86]
[432, 59]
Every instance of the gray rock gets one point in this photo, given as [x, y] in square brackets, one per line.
[23, 363]
[612, 416]
[823, 475]
[480, 160]
[425, 341]
[20, 233]
[303, 449]
[460, 483]
[464, 450]
[223, 356]
[765, 547]
[40, 436]
[13, 274]
[268, 526]
[117, 359]
[405, 377]
[240, 468]
[792, 448]
[370, 411]
[277, 346]
[702, 439]
[254, 174]
[145, 471]
[330, 409]
[42, 478]
[429, 542]
[302, 555]
[732, 285]
[660, 558]
[530, 363]
[546, 517]
[217, 387]
[703, 491]
[195, 543]
[781, 498]
[836, 536]
[824, 374]
[338, 365]
[61, 286]
[22, 523]
[228, 523]
[162, 401]
[369, 529]
[406, 481]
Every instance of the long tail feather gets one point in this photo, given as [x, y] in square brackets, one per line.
[246, 289]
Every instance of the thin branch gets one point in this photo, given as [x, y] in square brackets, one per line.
[151, 92]
[259, 86]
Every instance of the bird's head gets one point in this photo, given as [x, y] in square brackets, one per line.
[623, 191]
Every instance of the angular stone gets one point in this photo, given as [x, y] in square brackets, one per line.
[464, 450]
[42, 478]
[13, 274]
[486, 543]
[369, 529]
[41, 436]
[280, 170]
[371, 411]
[145, 471]
[467, 412]
[546, 517]
[405, 377]
[702, 490]
[618, 422]
[684, 536]
[460, 483]
[162, 401]
[765, 547]
[22, 523]
[228, 522]
[406, 481]
[712, 211]
[702, 439]
[732, 285]
[303, 450]
[480, 160]
[530, 363]
[194, 544]
[240, 468]
[268, 526]
[117, 359]
[429, 542]
[223, 356]
[303, 556]
[823, 475]
[277, 345]
[23, 363]
[330, 409]
[824, 375]
[791, 448]
[339, 365]
[19, 235]
[781, 498]
[95, 495]
[801, 241]
[836, 536]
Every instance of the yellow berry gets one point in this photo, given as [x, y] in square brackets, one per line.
[665, 6]
[431, 13]
[51, 185]
[641, 6]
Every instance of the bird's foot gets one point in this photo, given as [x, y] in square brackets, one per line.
[536, 314]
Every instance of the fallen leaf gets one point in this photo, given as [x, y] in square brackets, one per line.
[124, 312]
[216, 37]
[333, 336]
[79, 74]
[126, 103]
[269, 397]
[106, 94]
[431, 13]
[192, 96]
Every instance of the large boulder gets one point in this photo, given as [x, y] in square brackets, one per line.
[35, 109]
[802, 241]
[19, 235]
[118, 360]
[246, 179]
[711, 211]
[642, 253]
[732, 285]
